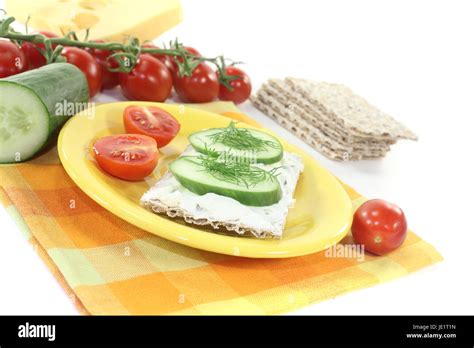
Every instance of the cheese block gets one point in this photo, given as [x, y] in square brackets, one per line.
[110, 20]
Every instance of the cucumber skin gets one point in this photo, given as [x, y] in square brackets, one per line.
[263, 160]
[243, 197]
[53, 84]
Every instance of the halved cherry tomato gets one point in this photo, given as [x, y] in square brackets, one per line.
[149, 80]
[201, 87]
[379, 226]
[241, 87]
[130, 157]
[88, 65]
[152, 121]
[34, 57]
[12, 59]
[109, 79]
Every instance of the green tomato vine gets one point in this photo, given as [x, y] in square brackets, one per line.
[125, 54]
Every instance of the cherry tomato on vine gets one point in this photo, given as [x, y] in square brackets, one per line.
[201, 87]
[110, 79]
[192, 50]
[380, 226]
[241, 87]
[174, 68]
[152, 121]
[88, 65]
[130, 157]
[169, 60]
[149, 80]
[165, 59]
[34, 57]
[12, 59]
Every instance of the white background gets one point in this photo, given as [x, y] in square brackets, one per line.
[413, 59]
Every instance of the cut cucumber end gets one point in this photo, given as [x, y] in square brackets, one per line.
[24, 123]
[203, 142]
[192, 175]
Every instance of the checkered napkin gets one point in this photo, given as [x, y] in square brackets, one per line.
[108, 266]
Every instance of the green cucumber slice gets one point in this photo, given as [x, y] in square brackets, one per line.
[34, 105]
[247, 184]
[245, 144]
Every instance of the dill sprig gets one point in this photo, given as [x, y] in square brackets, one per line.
[235, 172]
[240, 138]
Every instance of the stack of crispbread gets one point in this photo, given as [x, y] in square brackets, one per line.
[331, 118]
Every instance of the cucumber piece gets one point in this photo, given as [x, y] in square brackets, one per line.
[34, 105]
[244, 144]
[250, 185]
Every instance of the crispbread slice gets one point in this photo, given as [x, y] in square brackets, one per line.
[350, 110]
[317, 140]
[292, 120]
[317, 117]
[304, 122]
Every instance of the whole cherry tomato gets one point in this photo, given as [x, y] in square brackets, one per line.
[165, 59]
[241, 87]
[110, 79]
[88, 65]
[149, 80]
[379, 226]
[34, 57]
[169, 60]
[201, 87]
[174, 69]
[12, 59]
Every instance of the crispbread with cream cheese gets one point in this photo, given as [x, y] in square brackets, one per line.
[217, 212]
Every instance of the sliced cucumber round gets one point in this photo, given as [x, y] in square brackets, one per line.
[241, 144]
[249, 185]
[24, 123]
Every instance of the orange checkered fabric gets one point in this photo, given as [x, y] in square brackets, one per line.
[108, 266]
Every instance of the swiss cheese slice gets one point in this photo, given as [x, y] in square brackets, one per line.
[110, 20]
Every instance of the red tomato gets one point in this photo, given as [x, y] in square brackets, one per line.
[84, 61]
[130, 157]
[169, 60]
[174, 68]
[201, 87]
[380, 226]
[12, 59]
[152, 121]
[241, 87]
[165, 59]
[110, 79]
[192, 50]
[34, 57]
[150, 80]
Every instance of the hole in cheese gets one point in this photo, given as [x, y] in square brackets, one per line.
[85, 20]
[92, 4]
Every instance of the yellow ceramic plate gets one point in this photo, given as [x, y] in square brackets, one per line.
[320, 218]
